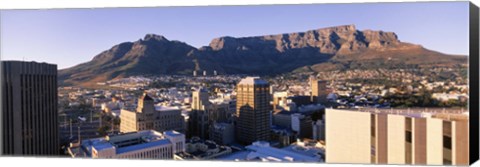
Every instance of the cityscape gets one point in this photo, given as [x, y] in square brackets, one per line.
[334, 94]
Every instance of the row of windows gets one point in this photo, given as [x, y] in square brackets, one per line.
[160, 153]
[39, 114]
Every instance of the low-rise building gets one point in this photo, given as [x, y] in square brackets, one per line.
[222, 133]
[199, 149]
[146, 144]
[147, 116]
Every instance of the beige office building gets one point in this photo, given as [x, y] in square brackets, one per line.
[319, 90]
[147, 116]
[253, 110]
[418, 137]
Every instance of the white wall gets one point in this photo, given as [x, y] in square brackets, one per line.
[347, 137]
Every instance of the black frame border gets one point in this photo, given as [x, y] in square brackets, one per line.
[474, 83]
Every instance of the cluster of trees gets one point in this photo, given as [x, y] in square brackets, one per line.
[423, 99]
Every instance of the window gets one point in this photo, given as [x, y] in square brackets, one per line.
[447, 142]
[408, 136]
[447, 162]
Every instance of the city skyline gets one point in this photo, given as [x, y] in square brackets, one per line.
[51, 38]
[372, 83]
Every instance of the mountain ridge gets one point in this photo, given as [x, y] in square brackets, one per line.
[260, 55]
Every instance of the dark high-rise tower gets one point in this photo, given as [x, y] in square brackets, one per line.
[29, 114]
[253, 110]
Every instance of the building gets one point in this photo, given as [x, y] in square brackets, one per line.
[253, 110]
[296, 122]
[200, 99]
[29, 113]
[302, 124]
[198, 149]
[198, 118]
[147, 116]
[384, 136]
[262, 151]
[146, 144]
[281, 137]
[222, 133]
[318, 128]
[113, 107]
[308, 147]
[319, 91]
[204, 114]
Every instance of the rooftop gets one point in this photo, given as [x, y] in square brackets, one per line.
[165, 108]
[454, 114]
[172, 133]
[253, 81]
[264, 151]
[146, 97]
[128, 142]
[142, 146]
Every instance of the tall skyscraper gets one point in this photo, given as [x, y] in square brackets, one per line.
[200, 99]
[319, 90]
[253, 110]
[199, 117]
[29, 109]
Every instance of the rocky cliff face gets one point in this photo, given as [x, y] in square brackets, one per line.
[271, 54]
[330, 40]
[259, 55]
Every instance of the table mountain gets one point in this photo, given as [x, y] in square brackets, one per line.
[333, 48]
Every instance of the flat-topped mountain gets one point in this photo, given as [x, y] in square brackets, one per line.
[333, 48]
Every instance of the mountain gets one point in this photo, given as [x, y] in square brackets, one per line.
[333, 48]
[154, 54]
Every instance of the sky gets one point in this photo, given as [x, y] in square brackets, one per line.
[68, 37]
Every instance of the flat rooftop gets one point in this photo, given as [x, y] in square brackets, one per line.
[127, 142]
[166, 108]
[275, 154]
[453, 114]
[253, 81]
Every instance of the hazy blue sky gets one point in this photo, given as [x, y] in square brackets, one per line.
[71, 36]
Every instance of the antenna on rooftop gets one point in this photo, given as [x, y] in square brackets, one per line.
[79, 134]
[71, 128]
[91, 116]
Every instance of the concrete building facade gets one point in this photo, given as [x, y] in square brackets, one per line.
[147, 116]
[396, 137]
[29, 114]
[222, 133]
[146, 144]
[204, 114]
[319, 90]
